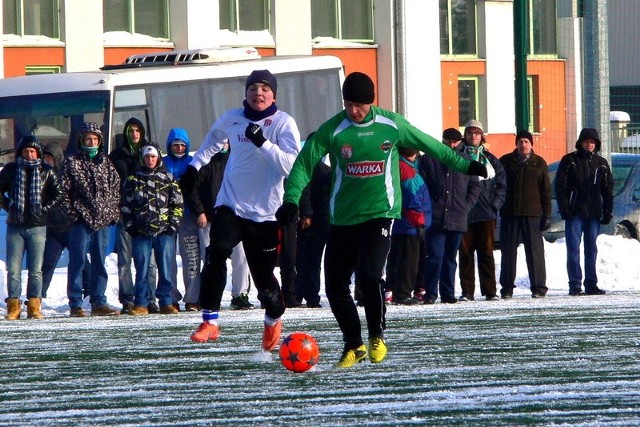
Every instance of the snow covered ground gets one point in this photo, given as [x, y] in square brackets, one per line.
[561, 361]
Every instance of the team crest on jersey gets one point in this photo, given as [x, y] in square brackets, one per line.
[346, 151]
[268, 122]
[365, 169]
[386, 146]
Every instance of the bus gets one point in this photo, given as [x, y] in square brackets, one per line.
[188, 89]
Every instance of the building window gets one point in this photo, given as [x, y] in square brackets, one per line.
[458, 27]
[542, 27]
[342, 19]
[468, 101]
[34, 71]
[149, 17]
[31, 18]
[534, 103]
[245, 15]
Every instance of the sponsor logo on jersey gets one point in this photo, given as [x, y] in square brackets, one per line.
[346, 151]
[365, 169]
[386, 146]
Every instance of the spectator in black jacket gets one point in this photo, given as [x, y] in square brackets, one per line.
[453, 194]
[200, 188]
[526, 212]
[29, 189]
[478, 240]
[126, 158]
[313, 230]
[584, 191]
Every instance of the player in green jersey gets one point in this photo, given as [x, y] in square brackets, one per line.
[362, 143]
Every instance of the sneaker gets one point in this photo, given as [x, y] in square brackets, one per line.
[377, 349]
[153, 308]
[451, 300]
[492, 298]
[205, 332]
[126, 308]
[507, 296]
[537, 295]
[576, 293]
[271, 336]
[419, 293]
[104, 310]
[466, 297]
[169, 309]
[77, 312]
[595, 291]
[241, 302]
[139, 310]
[352, 356]
[388, 296]
[191, 307]
[314, 305]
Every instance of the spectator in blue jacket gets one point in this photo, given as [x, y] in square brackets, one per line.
[478, 241]
[176, 162]
[408, 231]
[453, 194]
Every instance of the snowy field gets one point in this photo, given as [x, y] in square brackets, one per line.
[559, 361]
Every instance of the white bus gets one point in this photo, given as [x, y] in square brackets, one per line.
[187, 89]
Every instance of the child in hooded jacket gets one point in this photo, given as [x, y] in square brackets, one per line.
[151, 211]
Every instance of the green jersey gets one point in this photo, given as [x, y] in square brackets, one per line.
[365, 177]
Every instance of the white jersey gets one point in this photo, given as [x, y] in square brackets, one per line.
[252, 185]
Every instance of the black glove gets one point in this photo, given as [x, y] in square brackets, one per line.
[545, 223]
[566, 215]
[606, 218]
[287, 213]
[254, 133]
[477, 168]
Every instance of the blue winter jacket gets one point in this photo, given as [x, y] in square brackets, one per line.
[416, 203]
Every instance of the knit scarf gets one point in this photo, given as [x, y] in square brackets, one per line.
[477, 154]
[254, 115]
[21, 187]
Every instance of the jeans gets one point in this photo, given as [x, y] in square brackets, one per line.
[164, 248]
[575, 228]
[56, 242]
[125, 279]
[83, 240]
[21, 239]
[441, 263]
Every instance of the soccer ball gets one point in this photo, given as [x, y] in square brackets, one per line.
[299, 352]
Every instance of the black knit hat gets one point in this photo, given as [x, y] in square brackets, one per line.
[524, 134]
[451, 134]
[589, 133]
[264, 77]
[29, 141]
[358, 88]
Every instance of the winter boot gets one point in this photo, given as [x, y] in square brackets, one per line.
[13, 309]
[33, 308]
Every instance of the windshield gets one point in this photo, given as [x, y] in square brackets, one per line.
[50, 117]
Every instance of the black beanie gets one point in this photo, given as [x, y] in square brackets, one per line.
[524, 134]
[452, 134]
[264, 77]
[358, 88]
